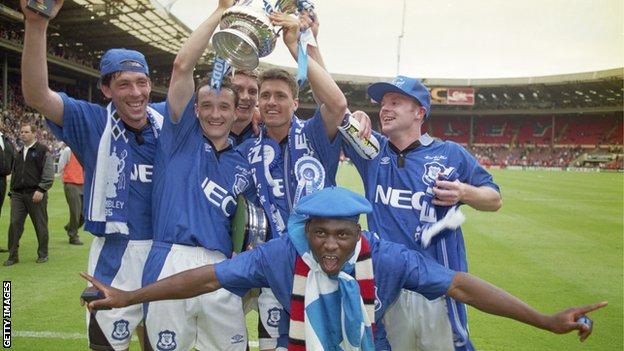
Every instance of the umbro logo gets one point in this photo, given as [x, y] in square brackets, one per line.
[237, 339]
[385, 160]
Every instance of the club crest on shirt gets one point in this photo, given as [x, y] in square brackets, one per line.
[432, 170]
[274, 316]
[240, 184]
[120, 329]
[166, 341]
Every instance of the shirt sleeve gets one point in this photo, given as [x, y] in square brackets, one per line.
[63, 159]
[252, 269]
[82, 122]
[47, 176]
[360, 162]
[174, 134]
[328, 151]
[473, 173]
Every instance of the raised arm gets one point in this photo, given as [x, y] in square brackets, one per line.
[488, 298]
[332, 100]
[182, 86]
[183, 285]
[35, 86]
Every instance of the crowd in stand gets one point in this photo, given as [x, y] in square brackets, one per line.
[16, 36]
[16, 113]
[526, 156]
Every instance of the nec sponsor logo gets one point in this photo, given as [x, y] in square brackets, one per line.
[436, 158]
[399, 198]
[141, 173]
[219, 197]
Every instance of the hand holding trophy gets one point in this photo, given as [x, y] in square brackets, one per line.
[247, 33]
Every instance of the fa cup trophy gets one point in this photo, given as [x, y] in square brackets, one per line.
[247, 33]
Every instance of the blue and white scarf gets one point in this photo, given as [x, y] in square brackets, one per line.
[110, 183]
[302, 171]
[436, 219]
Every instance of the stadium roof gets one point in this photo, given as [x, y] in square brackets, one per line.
[97, 25]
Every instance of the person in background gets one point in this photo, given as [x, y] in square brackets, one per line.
[72, 175]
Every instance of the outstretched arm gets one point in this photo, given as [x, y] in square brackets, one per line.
[183, 285]
[488, 298]
[35, 86]
[332, 100]
[181, 86]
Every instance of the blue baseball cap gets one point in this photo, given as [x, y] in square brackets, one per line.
[334, 202]
[403, 85]
[118, 60]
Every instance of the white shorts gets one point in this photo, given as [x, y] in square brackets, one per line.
[415, 323]
[213, 321]
[270, 313]
[118, 263]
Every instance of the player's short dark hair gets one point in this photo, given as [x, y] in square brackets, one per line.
[283, 75]
[226, 83]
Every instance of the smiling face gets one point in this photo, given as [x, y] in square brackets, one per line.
[216, 113]
[400, 114]
[276, 103]
[332, 241]
[247, 96]
[130, 93]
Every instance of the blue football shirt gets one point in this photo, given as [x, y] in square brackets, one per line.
[395, 183]
[395, 267]
[83, 125]
[195, 186]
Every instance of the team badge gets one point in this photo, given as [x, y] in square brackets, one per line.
[120, 329]
[433, 170]
[240, 184]
[275, 314]
[166, 341]
[310, 176]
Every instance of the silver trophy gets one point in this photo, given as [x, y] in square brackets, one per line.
[247, 33]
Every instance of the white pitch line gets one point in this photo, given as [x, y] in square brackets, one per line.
[72, 336]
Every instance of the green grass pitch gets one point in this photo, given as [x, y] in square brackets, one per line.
[556, 242]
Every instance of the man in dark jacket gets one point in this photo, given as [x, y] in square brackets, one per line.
[33, 174]
[7, 155]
